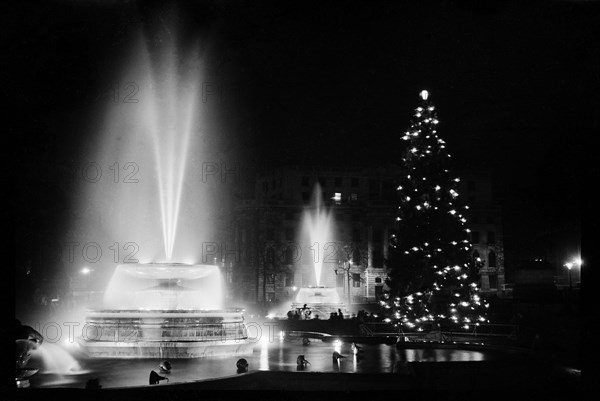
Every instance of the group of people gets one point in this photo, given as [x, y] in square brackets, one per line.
[339, 315]
[303, 313]
[366, 317]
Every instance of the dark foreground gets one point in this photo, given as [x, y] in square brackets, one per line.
[447, 381]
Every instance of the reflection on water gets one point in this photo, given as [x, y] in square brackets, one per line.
[269, 354]
[264, 353]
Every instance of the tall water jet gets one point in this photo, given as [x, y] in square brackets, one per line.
[160, 308]
[317, 225]
[144, 193]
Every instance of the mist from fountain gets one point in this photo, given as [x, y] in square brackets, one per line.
[165, 286]
[145, 193]
[56, 360]
[318, 226]
[161, 300]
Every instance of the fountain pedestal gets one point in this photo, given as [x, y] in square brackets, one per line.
[167, 311]
[164, 334]
[321, 300]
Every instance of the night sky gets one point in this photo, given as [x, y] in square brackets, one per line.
[515, 85]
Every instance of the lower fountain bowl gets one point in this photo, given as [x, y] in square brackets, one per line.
[171, 334]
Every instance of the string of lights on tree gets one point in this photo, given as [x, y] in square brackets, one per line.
[433, 276]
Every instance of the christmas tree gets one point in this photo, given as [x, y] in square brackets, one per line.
[433, 276]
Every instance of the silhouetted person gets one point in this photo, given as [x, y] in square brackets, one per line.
[340, 314]
[242, 365]
[355, 348]
[93, 384]
[155, 378]
[403, 368]
[301, 362]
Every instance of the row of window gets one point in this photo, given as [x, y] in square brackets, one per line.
[354, 181]
[488, 219]
[289, 234]
[491, 258]
[476, 238]
[337, 181]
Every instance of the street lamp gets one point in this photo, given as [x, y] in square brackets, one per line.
[345, 267]
[86, 271]
[570, 265]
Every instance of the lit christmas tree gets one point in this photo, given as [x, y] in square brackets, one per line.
[433, 277]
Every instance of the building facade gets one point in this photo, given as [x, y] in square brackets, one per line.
[485, 221]
[272, 258]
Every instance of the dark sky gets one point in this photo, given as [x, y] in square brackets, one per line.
[515, 85]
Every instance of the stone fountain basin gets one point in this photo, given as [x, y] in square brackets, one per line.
[167, 271]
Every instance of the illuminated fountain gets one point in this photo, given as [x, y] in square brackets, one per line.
[164, 310]
[318, 227]
[164, 212]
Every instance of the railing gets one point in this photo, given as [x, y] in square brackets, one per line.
[365, 331]
[483, 330]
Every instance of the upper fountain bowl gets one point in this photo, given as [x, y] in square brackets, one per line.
[167, 271]
[164, 286]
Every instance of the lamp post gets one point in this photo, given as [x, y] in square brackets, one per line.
[86, 271]
[345, 267]
[348, 276]
[570, 265]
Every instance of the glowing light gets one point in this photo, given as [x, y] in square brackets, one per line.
[337, 346]
[424, 94]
